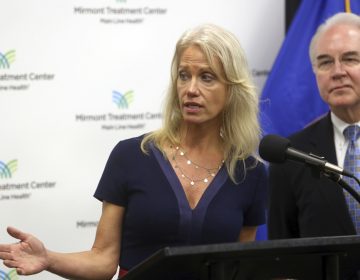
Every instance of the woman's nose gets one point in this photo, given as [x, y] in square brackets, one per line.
[193, 86]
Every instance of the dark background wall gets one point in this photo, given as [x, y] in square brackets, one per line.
[290, 10]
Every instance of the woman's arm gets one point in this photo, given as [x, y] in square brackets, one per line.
[247, 233]
[29, 256]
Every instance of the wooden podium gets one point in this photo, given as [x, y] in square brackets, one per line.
[323, 258]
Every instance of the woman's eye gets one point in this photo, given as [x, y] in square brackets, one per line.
[207, 77]
[183, 75]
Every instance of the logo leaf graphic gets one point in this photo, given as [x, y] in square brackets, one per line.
[12, 275]
[6, 170]
[7, 58]
[123, 100]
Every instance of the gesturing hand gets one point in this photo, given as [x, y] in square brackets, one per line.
[29, 256]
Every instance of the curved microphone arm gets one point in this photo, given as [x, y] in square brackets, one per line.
[356, 179]
[337, 179]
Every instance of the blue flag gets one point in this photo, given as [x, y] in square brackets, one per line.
[290, 99]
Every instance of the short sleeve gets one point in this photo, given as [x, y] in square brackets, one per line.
[256, 212]
[112, 186]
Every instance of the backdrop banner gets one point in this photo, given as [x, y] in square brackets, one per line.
[78, 76]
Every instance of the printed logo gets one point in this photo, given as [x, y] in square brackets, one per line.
[8, 169]
[122, 101]
[12, 275]
[6, 59]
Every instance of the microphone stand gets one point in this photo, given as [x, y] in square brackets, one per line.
[355, 178]
[337, 179]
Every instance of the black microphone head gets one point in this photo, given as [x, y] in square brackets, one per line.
[273, 148]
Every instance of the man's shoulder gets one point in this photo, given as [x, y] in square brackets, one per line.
[316, 127]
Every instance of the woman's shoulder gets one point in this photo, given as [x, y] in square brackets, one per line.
[253, 162]
[250, 171]
[129, 144]
[252, 165]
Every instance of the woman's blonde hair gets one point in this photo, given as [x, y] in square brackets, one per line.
[240, 126]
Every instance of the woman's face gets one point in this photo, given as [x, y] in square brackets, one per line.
[202, 94]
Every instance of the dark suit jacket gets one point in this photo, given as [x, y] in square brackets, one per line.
[305, 204]
[302, 204]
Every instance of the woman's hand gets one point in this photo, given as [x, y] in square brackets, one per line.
[28, 256]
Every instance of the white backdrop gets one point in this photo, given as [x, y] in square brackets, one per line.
[78, 76]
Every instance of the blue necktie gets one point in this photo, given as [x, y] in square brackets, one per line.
[352, 164]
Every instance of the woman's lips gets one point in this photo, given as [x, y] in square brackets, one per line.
[192, 107]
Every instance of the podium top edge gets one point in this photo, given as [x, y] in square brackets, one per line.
[331, 244]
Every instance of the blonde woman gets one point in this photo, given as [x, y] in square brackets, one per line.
[194, 181]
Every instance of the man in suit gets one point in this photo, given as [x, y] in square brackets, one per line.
[303, 202]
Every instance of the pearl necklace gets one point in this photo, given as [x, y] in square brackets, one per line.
[210, 172]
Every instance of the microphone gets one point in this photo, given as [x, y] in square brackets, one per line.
[276, 149]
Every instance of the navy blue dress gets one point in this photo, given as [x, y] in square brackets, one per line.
[157, 211]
